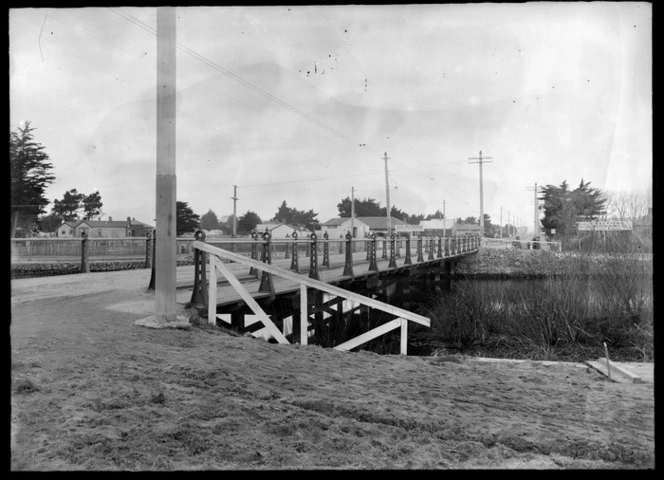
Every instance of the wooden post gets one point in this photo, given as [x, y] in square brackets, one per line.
[266, 284]
[393, 262]
[166, 173]
[408, 260]
[313, 259]
[199, 298]
[430, 242]
[373, 266]
[304, 315]
[326, 251]
[440, 248]
[294, 261]
[254, 254]
[85, 264]
[420, 256]
[212, 304]
[148, 250]
[348, 266]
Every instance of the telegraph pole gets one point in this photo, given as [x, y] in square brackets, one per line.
[387, 192]
[443, 211]
[481, 161]
[536, 214]
[235, 199]
[165, 244]
[501, 221]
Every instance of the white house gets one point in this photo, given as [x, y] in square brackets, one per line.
[340, 226]
[281, 230]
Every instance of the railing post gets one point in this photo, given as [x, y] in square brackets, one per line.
[420, 256]
[341, 244]
[254, 253]
[367, 247]
[447, 247]
[199, 296]
[393, 262]
[326, 251]
[373, 266]
[266, 284]
[294, 261]
[430, 242]
[384, 255]
[408, 261]
[313, 259]
[85, 264]
[440, 248]
[148, 250]
[398, 247]
[348, 266]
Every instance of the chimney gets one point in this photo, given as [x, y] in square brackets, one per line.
[110, 219]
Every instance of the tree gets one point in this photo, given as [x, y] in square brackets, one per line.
[49, 223]
[30, 175]
[470, 221]
[247, 222]
[437, 216]
[91, 205]
[363, 208]
[69, 206]
[295, 217]
[186, 220]
[209, 221]
[564, 207]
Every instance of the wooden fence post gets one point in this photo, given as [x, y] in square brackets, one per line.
[326, 251]
[373, 266]
[313, 258]
[348, 267]
[294, 261]
[393, 261]
[420, 257]
[199, 296]
[408, 261]
[85, 264]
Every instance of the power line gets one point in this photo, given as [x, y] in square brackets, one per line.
[240, 80]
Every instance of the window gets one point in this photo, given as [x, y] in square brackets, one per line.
[71, 231]
[99, 232]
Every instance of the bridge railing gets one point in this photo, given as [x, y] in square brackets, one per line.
[216, 264]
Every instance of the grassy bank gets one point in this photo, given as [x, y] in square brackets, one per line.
[581, 301]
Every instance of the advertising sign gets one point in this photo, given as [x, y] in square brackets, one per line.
[409, 228]
[605, 225]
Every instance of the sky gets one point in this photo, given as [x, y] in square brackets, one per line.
[302, 104]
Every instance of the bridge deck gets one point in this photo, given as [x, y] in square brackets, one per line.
[226, 294]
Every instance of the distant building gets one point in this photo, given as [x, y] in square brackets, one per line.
[466, 229]
[104, 228]
[281, 230]
[378, 225]
[438, 227]
[340, 226]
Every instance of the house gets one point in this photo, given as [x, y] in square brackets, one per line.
[281, 230]
[438, 227]
[340, 226]
[66, 230]
[378, 225]
[138, 229]
[104, 228]
[466, 229]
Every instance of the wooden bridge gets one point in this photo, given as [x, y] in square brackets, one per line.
[294, 288]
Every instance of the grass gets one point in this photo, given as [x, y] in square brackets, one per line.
[567, 315]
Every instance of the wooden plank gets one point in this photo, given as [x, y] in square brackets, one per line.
[212, 295]
[251, 303]
[404, 336]
[304, 315]
[370, 335]
[317, 284]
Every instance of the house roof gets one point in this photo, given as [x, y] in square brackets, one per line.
[437, 224]
[335, 222]
[380, 223]
[271, 226]
[466, 226]
[103, 223]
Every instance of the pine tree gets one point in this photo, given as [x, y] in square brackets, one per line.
[30, 169]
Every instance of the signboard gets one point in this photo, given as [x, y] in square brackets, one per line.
[605, 225]
[409, 228]
[553, 231]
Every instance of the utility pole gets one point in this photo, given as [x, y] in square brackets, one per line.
[536, 214]
[481, 161]
[235, 199]
[443, 212]
[352, 211]
[387, 191]
[166, 183]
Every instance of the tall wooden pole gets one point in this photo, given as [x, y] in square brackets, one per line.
[481, 161]
[387, 194]
[352, 211]
[166, 177]
[235, 199]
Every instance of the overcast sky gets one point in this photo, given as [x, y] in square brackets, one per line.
[301, 103]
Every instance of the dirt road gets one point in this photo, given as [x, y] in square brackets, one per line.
[91, 391]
